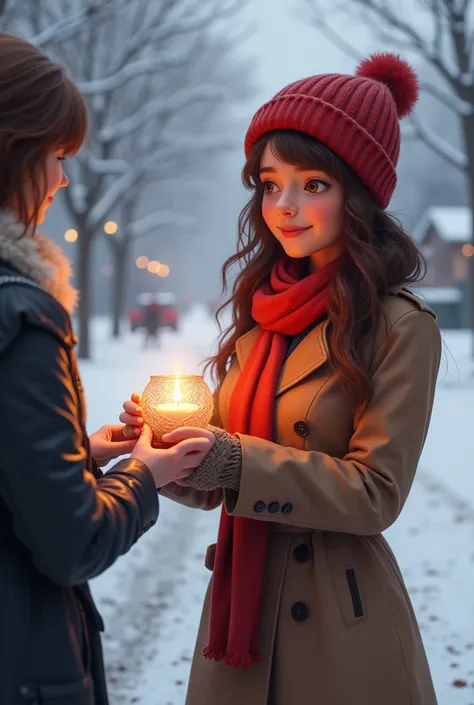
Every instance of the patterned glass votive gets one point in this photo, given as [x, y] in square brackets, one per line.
[169, 402]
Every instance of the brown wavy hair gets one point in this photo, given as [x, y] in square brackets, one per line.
[41, 110]
[377, 255]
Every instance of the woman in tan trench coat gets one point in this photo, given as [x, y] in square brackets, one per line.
[326, 385]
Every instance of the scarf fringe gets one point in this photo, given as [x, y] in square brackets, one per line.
[213, 654]
[235, 660]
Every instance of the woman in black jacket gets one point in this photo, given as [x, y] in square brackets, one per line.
[61, 521]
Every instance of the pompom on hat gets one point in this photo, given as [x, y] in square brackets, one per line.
[357, 117]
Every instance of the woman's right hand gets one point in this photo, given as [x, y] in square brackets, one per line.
[175, 463]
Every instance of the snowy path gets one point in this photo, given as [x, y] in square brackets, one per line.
[151, 598]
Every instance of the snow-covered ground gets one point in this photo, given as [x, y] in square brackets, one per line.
[151, 598]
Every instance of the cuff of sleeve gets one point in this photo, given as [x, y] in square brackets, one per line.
[232, 470]
[139, 480]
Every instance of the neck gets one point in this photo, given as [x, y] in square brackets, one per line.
[322, 257]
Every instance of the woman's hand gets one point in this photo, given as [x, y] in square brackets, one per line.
[110, 442]
[132, 417]
[175, 463]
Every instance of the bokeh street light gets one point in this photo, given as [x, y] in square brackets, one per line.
[153, 266]
[71, 235]
[142, 262]
[163, 270]
[110, 227]
[467, 249]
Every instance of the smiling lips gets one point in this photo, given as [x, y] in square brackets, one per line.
[292, 231]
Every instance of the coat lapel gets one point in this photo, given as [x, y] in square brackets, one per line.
[311, 353]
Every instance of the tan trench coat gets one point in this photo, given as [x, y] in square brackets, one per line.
[337, 626]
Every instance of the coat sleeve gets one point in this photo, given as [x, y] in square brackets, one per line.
[73, 525]
[363, 492]
[197, 499]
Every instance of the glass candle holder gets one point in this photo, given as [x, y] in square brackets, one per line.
[169, 402]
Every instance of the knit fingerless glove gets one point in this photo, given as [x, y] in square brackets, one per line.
[222, 466]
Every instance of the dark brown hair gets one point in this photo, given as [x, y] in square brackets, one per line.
[41, 110]
[378, 254]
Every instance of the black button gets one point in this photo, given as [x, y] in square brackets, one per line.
[301, 553]
[259, 507]
[300, 611]
[273, 507]
[287, 508]
[301, 428]
[29, 693]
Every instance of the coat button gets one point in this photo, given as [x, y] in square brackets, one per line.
[300, 611]
[301, 553]
[287, 508]
[259, 507]
[273, 507]
[301, 428]
[30, 694]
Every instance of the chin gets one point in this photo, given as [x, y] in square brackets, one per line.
[297, 251]
[41, 217]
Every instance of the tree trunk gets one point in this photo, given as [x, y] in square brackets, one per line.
[119, 284]
[468, 133]
[84, 282]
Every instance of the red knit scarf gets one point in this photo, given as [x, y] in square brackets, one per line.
[284, 307]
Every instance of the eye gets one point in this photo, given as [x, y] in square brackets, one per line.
[316, 186]
[62, 159]
[269, 187]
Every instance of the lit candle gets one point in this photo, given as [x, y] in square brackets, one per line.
[178, 411]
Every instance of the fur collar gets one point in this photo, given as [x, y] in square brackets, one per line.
[37, 257]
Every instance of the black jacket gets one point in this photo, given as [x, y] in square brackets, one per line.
[61, 521]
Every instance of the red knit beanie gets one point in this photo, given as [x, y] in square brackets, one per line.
[355, 116]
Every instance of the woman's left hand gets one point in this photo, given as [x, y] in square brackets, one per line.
[109, 442]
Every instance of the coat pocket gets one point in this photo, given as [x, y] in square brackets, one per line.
[77, 692]
[353, 585]
[347, 583]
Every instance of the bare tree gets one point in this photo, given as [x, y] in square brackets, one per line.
[441, 33]
[110, 62]
[22, 16]
[169, 154]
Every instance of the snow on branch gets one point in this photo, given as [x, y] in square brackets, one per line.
[149, 222]
[120, 78]
[67, 27]
[209, 143]
[450, 100]
[415, 129]
[109, 198]
[161, 106]
[95, 165]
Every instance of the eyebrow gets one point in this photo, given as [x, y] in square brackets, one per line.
[272, 170]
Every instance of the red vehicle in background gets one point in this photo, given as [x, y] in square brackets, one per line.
[168, 303]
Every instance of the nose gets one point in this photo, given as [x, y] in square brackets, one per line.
[64, 180]
[286, 207]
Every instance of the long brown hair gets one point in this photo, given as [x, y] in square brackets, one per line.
[378, 254]
[41, 110]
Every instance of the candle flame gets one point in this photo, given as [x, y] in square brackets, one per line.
[177, 391]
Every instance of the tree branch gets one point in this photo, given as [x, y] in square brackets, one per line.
[445, 150]
[143, 226]
[160, 106]
[457, 105]
[66, 28]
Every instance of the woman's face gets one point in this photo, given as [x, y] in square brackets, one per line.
[55, 179]
[303, 208]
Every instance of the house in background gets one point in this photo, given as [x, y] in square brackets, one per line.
[444, 237]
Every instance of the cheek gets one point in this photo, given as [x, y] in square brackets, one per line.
[325, 215]
[267, 211]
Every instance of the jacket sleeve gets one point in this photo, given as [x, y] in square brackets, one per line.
[363, 492]
[73, 525]
[197, 499]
